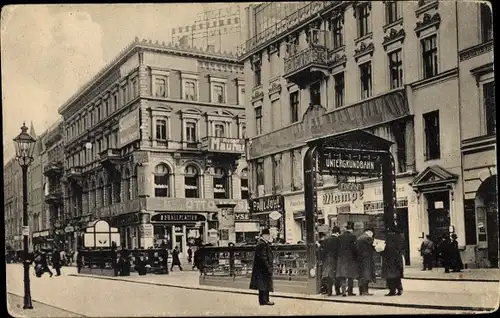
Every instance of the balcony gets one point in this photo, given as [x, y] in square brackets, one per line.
[191, 146]
[307, 65]
[54, 198]
[74, 173]
[110, 157]
[53, 169]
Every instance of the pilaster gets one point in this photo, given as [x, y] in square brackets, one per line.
[410, 145]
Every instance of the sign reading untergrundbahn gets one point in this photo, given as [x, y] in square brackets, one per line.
[349, 162]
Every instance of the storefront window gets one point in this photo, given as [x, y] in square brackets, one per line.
[191, 182]
[162, 180]
[221, 184]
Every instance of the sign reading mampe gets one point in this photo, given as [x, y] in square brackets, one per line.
[349, 162]
[129, 128]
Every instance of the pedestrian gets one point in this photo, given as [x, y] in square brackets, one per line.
[346, 260]
[56, 262]
[329, 260]
[320, 255]
[190, 254]
[37, 259]
[62, 255]
[45, 265]
[427, 252]
[262, 271]
[175, 259]
[79, 260]
[140, 265]
[366, 264]
[456, 264]
[392, 264]
[197, 260]
[164, 259]
[445, 253]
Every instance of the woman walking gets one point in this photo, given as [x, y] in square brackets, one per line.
[392, 264]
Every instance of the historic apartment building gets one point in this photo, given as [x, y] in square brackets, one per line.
[155, 144]
[13, 205]
[53, 168]
[478, 132]
[389, 68]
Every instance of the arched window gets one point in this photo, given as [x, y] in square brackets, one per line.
[191, 182]
[244, 184]
[126, 185]
[221, 184]
[162, 181]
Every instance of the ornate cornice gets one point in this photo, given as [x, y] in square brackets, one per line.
[257, 95]
[273, 48]
[394, 36]
[275, 88]
[336, 58]
[428, 22]
[364, 49]
[475, 50]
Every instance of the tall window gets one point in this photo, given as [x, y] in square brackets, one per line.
[191, 182]
[260, 178]
[191, 132]
[396, 69]
[391, 12]
[219, 94]
[365, 79]
[429, 56]
[432, 138]
[257, 80]
[363, 20]
[221, 184]
[160, 87]
[162, 181]
[219, 130]
[190, 90]
[294, 107]
[243, 131]
[244, 184]
[338, 32]
[124, 94]
[115, 101]
[486, 23]
[315, 91]
[161, 129]
[258, 120]
[116, 188]
[134, 88]
[339, 89]
[490, 107]
[126, 185]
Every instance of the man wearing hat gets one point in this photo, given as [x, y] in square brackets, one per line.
[346, 269]
[262, 271]
[365, 252]
[329, 259]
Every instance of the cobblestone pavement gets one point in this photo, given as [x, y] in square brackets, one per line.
[99, 297]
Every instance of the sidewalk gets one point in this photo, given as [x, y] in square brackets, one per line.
[471, 275]
[15, 309]
[410, 299]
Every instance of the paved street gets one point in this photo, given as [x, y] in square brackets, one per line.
[15, 303]
[98, 297]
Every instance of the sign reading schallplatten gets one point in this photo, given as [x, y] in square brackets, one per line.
[177, 217]
[349, 162]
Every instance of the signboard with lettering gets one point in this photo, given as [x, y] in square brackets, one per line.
[349, 162]
[351, 186]
[192, 204]
[335, 197]
[177, 217]
[129, 128]
[267, 204]
[226, 145]
[238, 216]
[126, 219]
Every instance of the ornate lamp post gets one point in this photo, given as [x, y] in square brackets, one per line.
[25, 144]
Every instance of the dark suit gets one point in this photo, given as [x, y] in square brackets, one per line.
[346, 261]
[366, 264]
[56, 262]
[262, 271]
[329, 255]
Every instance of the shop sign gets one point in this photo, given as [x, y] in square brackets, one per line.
[241, 216]
[351, 186]
[126, 219]
[267, 204]
[26, 231]
[335, 197]
[275, 215]
[192, 205]
[177, 217]
[129, 128]
[44, 233]
[349, 162]
[68, 229]
[146, 230]
[226, 145]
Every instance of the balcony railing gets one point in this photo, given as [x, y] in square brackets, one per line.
[223, 145]
[301, 15]
[311, 56]
[53, 168]
[54, 197]
[74, 172]
[110, 153]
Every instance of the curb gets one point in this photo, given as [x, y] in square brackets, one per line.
[46, 304]
[277, 295]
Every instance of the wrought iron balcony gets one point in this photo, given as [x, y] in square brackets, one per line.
[53, 169]
[307, 64]
[54, 197]
[110, 156]
[74, 172]
[223, 145]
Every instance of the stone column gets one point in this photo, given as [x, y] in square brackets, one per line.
[410, 145]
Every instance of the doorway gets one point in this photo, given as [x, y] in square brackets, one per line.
[438, 211]
[487, 193]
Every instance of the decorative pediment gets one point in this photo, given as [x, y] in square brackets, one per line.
[336, 59]
[194, 111]
[273, 48]
[220, 112]
[394, 36]
[432, 176]
[428, 22]
[275, 88]
[257, 95]
[163, 108]
[364, 49]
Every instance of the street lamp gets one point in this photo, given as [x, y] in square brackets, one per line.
[25, 144]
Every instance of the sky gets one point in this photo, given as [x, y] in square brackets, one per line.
[49, 51]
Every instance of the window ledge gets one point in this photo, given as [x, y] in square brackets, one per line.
[441, 77]
[393, 24]
[364, 37]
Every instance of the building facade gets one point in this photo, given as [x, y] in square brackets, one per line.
[154, 144]
[478, 132]
[13, 205]
[53, 168]
[390, 68]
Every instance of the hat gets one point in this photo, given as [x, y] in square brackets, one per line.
[369, 229]
[350, 225]
[265, 231]
[336, 229]
[454, 236]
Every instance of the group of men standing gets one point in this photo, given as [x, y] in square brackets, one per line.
[345, 257]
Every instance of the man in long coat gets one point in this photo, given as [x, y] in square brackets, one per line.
[329, 259]
[346, 261]
[365, 252]
[392, 264]
[56, 262]
[262, 271]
